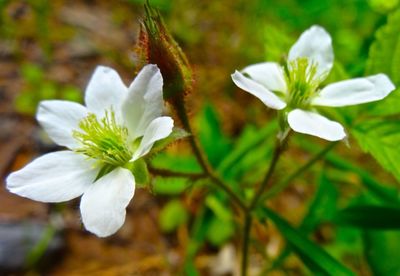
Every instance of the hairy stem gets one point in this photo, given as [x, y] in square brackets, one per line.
[208, 170]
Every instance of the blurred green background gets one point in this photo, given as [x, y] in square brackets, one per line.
[48, 50]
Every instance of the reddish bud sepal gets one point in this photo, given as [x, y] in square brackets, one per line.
[157, 46]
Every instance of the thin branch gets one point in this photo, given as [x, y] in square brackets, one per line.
[279, 149]
[203, 161]
[284, 183]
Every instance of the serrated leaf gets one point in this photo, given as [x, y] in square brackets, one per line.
[384, 54]
[369, 216]
[312, 255]
[381, 138]
[384, 57]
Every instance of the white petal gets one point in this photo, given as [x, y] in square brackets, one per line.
[315, 124]
[53, 177]
[158, 129]
[59, 119]
[355, 91]
[269, 74]
[144, 102]
[103, 204]
[104, 91]
[258, 90]
[316, 45]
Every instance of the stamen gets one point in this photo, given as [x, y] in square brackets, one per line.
[302, 82]
[103, 140]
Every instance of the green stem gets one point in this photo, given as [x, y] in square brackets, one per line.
[279, 149]
[260, 195]
[245, 243]
[182, 114]
[220, 183]
[284, 183]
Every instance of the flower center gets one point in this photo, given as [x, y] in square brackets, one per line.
[302, 82]
[103, 140]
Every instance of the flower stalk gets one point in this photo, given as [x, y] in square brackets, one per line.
[279, 149]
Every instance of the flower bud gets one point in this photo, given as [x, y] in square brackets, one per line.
[157, 46]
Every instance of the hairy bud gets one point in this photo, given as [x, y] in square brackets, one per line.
[157, 46]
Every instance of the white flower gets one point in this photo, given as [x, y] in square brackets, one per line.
[118, 126]
[296, 87]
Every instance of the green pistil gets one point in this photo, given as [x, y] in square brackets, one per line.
[302, 82]
[103, 140]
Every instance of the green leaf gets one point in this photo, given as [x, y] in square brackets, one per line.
[32, 73]
[377, 188]
[383, 6]
[172, 162]
[369, 216]
[172, 216]
[312, 255]
[197, 236]
[26, 103]
[276, 41]
[219, 208]
[47, 91]
[72, 93]
[251, 138]
[386, 107]
[381, 138]
[169, 185]
[384, 57]
[384, 54]
[382, 252]
[219, 231]
[221, 226]
[215, 143]
[177, 134]
[323, 205]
